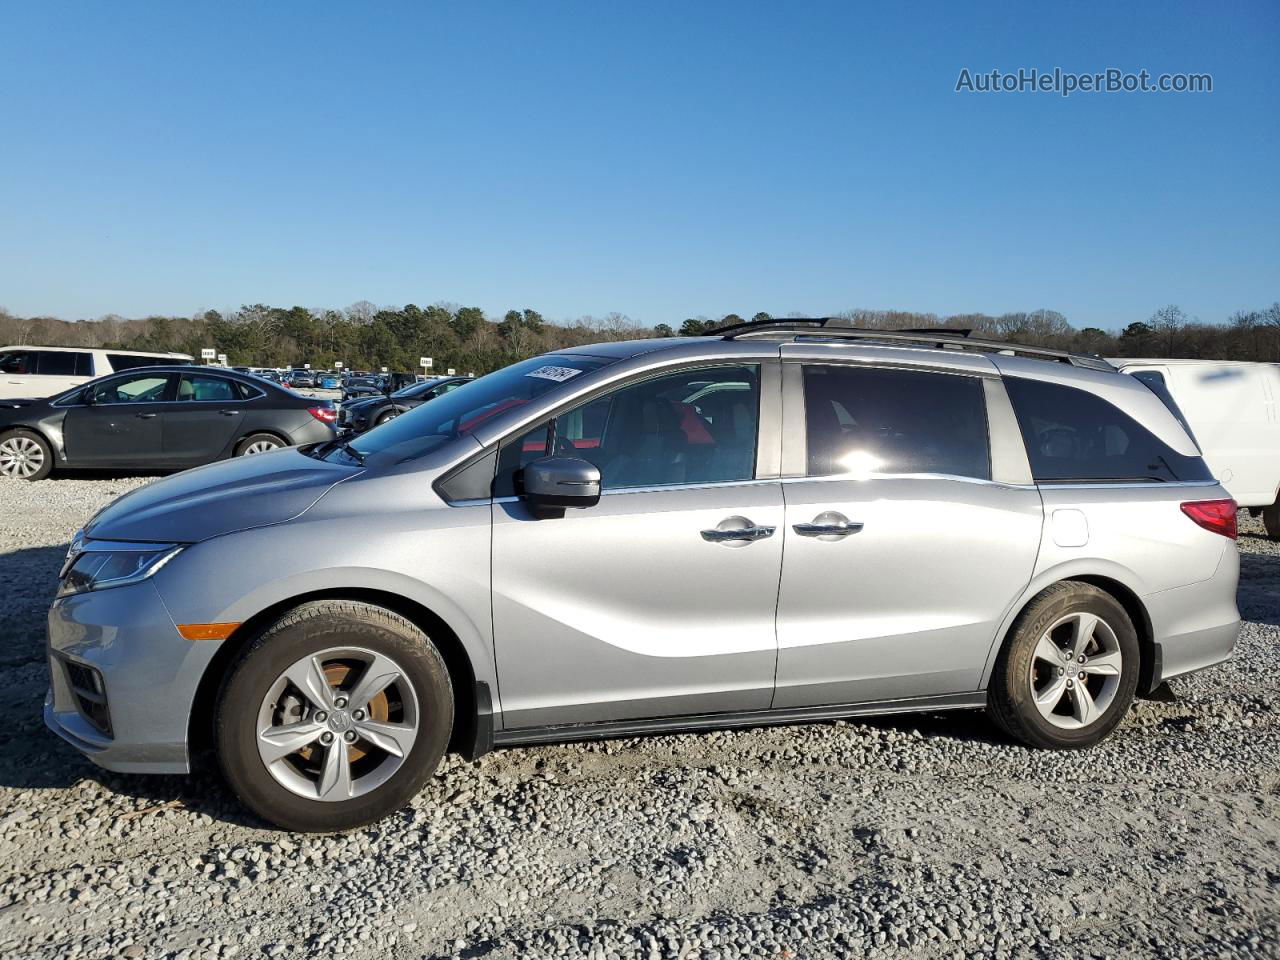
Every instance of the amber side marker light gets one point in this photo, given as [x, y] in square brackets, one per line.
[207, 631]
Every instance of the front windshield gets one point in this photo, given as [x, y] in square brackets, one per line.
[459, 412]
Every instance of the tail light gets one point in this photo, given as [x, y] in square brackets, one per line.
[324, 414]
[1216, 516]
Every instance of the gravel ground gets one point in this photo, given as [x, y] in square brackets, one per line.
[920, 836]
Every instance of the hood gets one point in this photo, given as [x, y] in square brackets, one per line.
[220, 498]
[13, 403]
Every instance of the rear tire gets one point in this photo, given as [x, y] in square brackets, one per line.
[1271, 520]
[301, 740]
[25, 455]
[257, 443]
[1046, 698]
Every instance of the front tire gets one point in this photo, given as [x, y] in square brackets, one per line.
[25, 455]
[1068, 670]
[334, 717]
[385, 416]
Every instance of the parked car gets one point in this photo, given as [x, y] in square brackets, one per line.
[158, 418]
[44, 371]
[301, 378]
[779, 523]
[1230, 407]
[358, 388]
[328, 381]
[362, 414]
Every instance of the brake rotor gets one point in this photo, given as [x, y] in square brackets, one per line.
[338, 673]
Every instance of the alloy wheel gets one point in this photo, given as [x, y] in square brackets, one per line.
[261, 446]
[1075, 671]
[337, 724]
[20, 457]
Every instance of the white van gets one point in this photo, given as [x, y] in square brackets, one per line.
[44, 371]
[1231, 408]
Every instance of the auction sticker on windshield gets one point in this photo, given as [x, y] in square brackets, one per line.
[558, 374]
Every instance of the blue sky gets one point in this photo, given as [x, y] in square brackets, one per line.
[659, 160]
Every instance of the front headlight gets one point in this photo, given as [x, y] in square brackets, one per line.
[100, 566]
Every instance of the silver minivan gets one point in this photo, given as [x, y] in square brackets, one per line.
[782, 522]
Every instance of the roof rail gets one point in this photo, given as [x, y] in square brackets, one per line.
[822, 328]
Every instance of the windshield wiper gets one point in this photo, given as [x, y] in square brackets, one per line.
[346, 447]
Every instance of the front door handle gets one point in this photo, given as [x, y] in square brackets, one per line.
[737, 531]
[828, 525]
[145, 416]
[228, 413]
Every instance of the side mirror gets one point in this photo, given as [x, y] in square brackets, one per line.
[562, 482]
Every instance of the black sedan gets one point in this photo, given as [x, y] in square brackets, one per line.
[361, 414]
[164, 417]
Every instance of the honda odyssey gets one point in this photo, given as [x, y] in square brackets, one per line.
[780, 522]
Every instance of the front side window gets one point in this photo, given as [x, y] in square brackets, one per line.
[1075, 435]
[145, 388]
[17, 362]
[863, 422]
[202, 387]
[692, 427]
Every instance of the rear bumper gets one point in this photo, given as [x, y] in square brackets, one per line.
[1196, 626]
[148, 670]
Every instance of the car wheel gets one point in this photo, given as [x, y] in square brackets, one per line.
[25, 455]
[258, 443]
[385, 416]
[334, 717]
[1271, 520]
[1068, 670]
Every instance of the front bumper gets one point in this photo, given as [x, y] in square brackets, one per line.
[149, 673]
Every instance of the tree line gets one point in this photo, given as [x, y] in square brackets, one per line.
[367, 337]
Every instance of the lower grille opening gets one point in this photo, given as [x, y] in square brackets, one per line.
[90, 695]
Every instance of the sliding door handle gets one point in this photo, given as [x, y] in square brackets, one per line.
[828, 526]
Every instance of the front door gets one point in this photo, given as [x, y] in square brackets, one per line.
[902, 556]
[204, 420]
[117, 422]
[660, 600]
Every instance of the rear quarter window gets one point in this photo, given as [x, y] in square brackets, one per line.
[1073, 435]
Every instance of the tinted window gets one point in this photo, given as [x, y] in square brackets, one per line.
[63, 363]
[1154, 381]
[123, 361]
[17, 362]
[143, 388]
[864, 422]
[696, 426]
[1073, 434]
[201, 387]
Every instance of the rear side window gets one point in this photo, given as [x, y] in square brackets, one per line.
[1075, 435]
[123, 361]
[865, 422]
[203, 388]
[64, 363]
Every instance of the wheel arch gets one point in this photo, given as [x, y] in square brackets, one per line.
[468, 704]
[1125, 593]
[250, 433]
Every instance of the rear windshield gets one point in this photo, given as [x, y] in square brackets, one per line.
[1154, 381]
[459, 412]
[1073, 435]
